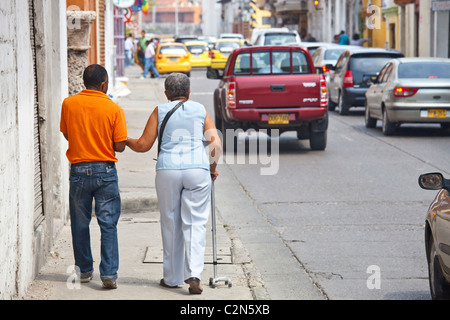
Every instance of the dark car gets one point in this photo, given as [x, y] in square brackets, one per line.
[352, 75]
[184, 38]
[437, 235]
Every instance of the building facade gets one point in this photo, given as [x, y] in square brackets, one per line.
[33, 168]
[37, 40]
[174, 17]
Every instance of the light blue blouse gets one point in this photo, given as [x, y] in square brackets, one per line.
[183, 145]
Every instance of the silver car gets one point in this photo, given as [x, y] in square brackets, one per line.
[437, 235]
[410, 90]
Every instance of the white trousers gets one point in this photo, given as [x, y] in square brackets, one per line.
[184, 198]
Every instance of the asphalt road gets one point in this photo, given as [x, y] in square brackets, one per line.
[344, 223]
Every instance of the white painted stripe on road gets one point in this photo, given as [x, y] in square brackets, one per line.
[201, 93]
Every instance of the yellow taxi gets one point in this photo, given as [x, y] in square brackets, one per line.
[199, 53]
[172, 57]
[219, 55]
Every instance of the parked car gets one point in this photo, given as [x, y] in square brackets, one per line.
[410, 90]
[184, 37]
[314, 46]
[219, 56]
[271, 37]
[198, 53]
[326, 55]
[437, 235]
[352, 75]
[273, 87]
[172, 57]
[257, 31]
[209, 39]
[231, 36]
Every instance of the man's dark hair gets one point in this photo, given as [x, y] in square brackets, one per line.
[94, 75]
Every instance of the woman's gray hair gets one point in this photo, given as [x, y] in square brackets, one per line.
[177, 85]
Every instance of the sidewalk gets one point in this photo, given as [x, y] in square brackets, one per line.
[140, 245]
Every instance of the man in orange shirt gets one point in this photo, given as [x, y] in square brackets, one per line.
[95, 128]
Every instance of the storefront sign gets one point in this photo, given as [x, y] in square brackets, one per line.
[440, 5]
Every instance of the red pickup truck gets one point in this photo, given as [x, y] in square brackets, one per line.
[273, 87]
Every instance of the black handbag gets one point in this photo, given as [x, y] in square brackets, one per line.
[163, 124]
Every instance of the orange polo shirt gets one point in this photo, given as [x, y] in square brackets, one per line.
[93, 122]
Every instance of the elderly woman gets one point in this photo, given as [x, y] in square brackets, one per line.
[183, 180]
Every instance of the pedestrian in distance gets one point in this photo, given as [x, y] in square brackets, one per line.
[140, 52]
[150, 61]
[189, 150]
[357, 41]
[129, 46]
[95, 128]
[343, 38]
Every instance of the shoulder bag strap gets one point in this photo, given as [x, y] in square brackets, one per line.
[163, 124]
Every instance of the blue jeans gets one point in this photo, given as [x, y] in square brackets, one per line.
[128, 58]
[99, 181]
[149, 64]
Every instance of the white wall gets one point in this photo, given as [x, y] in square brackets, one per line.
[23, 248]
[16, 139]
[211, 11]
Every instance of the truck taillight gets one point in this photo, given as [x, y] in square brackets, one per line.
[404, 92]
[323, 92]
[231, 95]
[348, 79]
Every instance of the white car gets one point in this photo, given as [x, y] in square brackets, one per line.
[271, 37]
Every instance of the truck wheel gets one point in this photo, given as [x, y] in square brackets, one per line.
[318, 140]
[224, 127]
[217, 117]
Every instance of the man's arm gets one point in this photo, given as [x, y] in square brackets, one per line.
[120, 146]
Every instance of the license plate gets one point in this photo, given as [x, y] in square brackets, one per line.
[437, 113]
[279, 118]
[173, 59]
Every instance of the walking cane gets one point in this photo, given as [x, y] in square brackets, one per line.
[213, 281]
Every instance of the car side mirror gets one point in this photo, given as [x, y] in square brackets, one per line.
[213, 74]
[433, 181]
[330, 67]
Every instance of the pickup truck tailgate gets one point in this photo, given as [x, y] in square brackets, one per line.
[282, 91]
